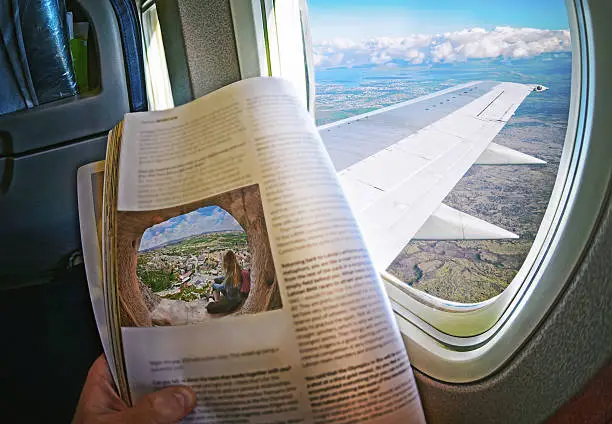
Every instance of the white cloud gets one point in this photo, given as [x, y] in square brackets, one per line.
[207, 219]
[473, 43]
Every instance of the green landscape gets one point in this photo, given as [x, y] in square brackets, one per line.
[512, 197]
[184, 269]
[463, 271]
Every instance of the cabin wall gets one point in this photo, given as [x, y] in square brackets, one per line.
[200, 46]
[562, 356]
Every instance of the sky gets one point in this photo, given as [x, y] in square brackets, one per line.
[208, 219]
[379, 32]
[360, 19]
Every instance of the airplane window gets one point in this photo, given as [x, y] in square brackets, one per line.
[446, 124]
[159, 92]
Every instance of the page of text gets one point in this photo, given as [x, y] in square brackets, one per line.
[334, 345]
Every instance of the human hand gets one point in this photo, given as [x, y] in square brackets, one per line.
[100, 403]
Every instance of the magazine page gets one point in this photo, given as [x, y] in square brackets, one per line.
[240, 269]
[90, 184]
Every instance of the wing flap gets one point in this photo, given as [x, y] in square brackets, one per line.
[447, 223]
[496, 154]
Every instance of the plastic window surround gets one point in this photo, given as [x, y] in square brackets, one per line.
[271, 38]
[159, 91]
[457, 342]
[572, 216]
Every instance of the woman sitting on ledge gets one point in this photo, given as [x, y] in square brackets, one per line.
[229, 286]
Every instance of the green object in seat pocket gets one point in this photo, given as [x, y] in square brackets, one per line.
[78, 47]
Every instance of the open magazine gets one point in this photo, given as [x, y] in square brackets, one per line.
[221, 254]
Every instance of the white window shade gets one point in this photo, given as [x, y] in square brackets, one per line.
[159, 91]
[272, 40]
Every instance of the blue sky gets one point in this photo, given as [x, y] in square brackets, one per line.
[383, 33]
[208, 219]
[359, 19]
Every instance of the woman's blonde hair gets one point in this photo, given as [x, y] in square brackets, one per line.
[232, 268]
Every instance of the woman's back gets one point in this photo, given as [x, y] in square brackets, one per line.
[232, 284]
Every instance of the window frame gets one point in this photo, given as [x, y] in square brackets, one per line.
[457, 342]
[572, 216]
[273, 39]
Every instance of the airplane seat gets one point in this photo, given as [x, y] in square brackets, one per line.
[50, 337]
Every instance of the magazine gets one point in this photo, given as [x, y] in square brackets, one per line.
[221, 254]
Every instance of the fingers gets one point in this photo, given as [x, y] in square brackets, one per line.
[100, 403]
[98, 395]
[99, 371]
[100, 387]
[166, 406]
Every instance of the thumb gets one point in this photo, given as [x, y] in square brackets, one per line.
[165, 406]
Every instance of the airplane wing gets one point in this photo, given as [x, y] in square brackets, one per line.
[398, 163]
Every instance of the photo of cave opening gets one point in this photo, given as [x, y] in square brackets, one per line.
[197, 262]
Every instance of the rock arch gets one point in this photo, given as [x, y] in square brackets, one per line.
[244, 205]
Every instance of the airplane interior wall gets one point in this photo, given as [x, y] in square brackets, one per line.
[571, 346]
[200, 38]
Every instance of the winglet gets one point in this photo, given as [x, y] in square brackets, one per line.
[539, 88]
[447, 223]
[496, 154]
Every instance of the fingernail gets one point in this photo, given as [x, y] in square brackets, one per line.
[184, 397]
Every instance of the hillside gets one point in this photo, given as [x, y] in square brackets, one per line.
[192, 262]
